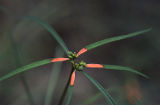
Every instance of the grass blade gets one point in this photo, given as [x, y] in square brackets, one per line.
[70, 91]
[18, 63]
[25, 68]
[17, 60]
[116, 38]
[107, 96]
[93, 98]
[51, 30]
[53, 79]
[116, 67]
[45, 25]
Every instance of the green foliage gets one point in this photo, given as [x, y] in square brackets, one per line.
[70, 91]
[51, 30]
[76, 66]
[116, 38]
[48, 27]
[107, 96]
[95, 97]
[18, 63]
[25, 68]
[53, 78]
[116, 67]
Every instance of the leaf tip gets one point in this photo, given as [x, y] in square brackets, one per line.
[72, 79]
[59, 59]
[94, 66]
[145, 76]
[83, 50]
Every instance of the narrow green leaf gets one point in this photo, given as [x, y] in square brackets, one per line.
[51, 30]
[70, 91]
[107, 96]
[45, 25]
[117, 67]
[18, 64]
[116, 38]
[53, 78]
[17, 61]
[25, 68]
[93, 98]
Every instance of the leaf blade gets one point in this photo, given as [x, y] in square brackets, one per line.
[70, 91]
[55, 73]
[51, 30]
[25, 68]
[45, 25]
[123, 68]
[107, 96]
[116, 38]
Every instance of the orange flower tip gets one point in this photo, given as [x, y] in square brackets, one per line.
[83, 50]
[94, 66]
[72, 79]
[59, 59]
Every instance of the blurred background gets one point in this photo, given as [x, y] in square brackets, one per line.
[80, 23]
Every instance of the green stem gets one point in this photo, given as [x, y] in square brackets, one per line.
[65, 89]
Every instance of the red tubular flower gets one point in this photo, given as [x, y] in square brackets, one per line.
[94, 66]
[83, 50]
[59, 59]
[72, 79]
